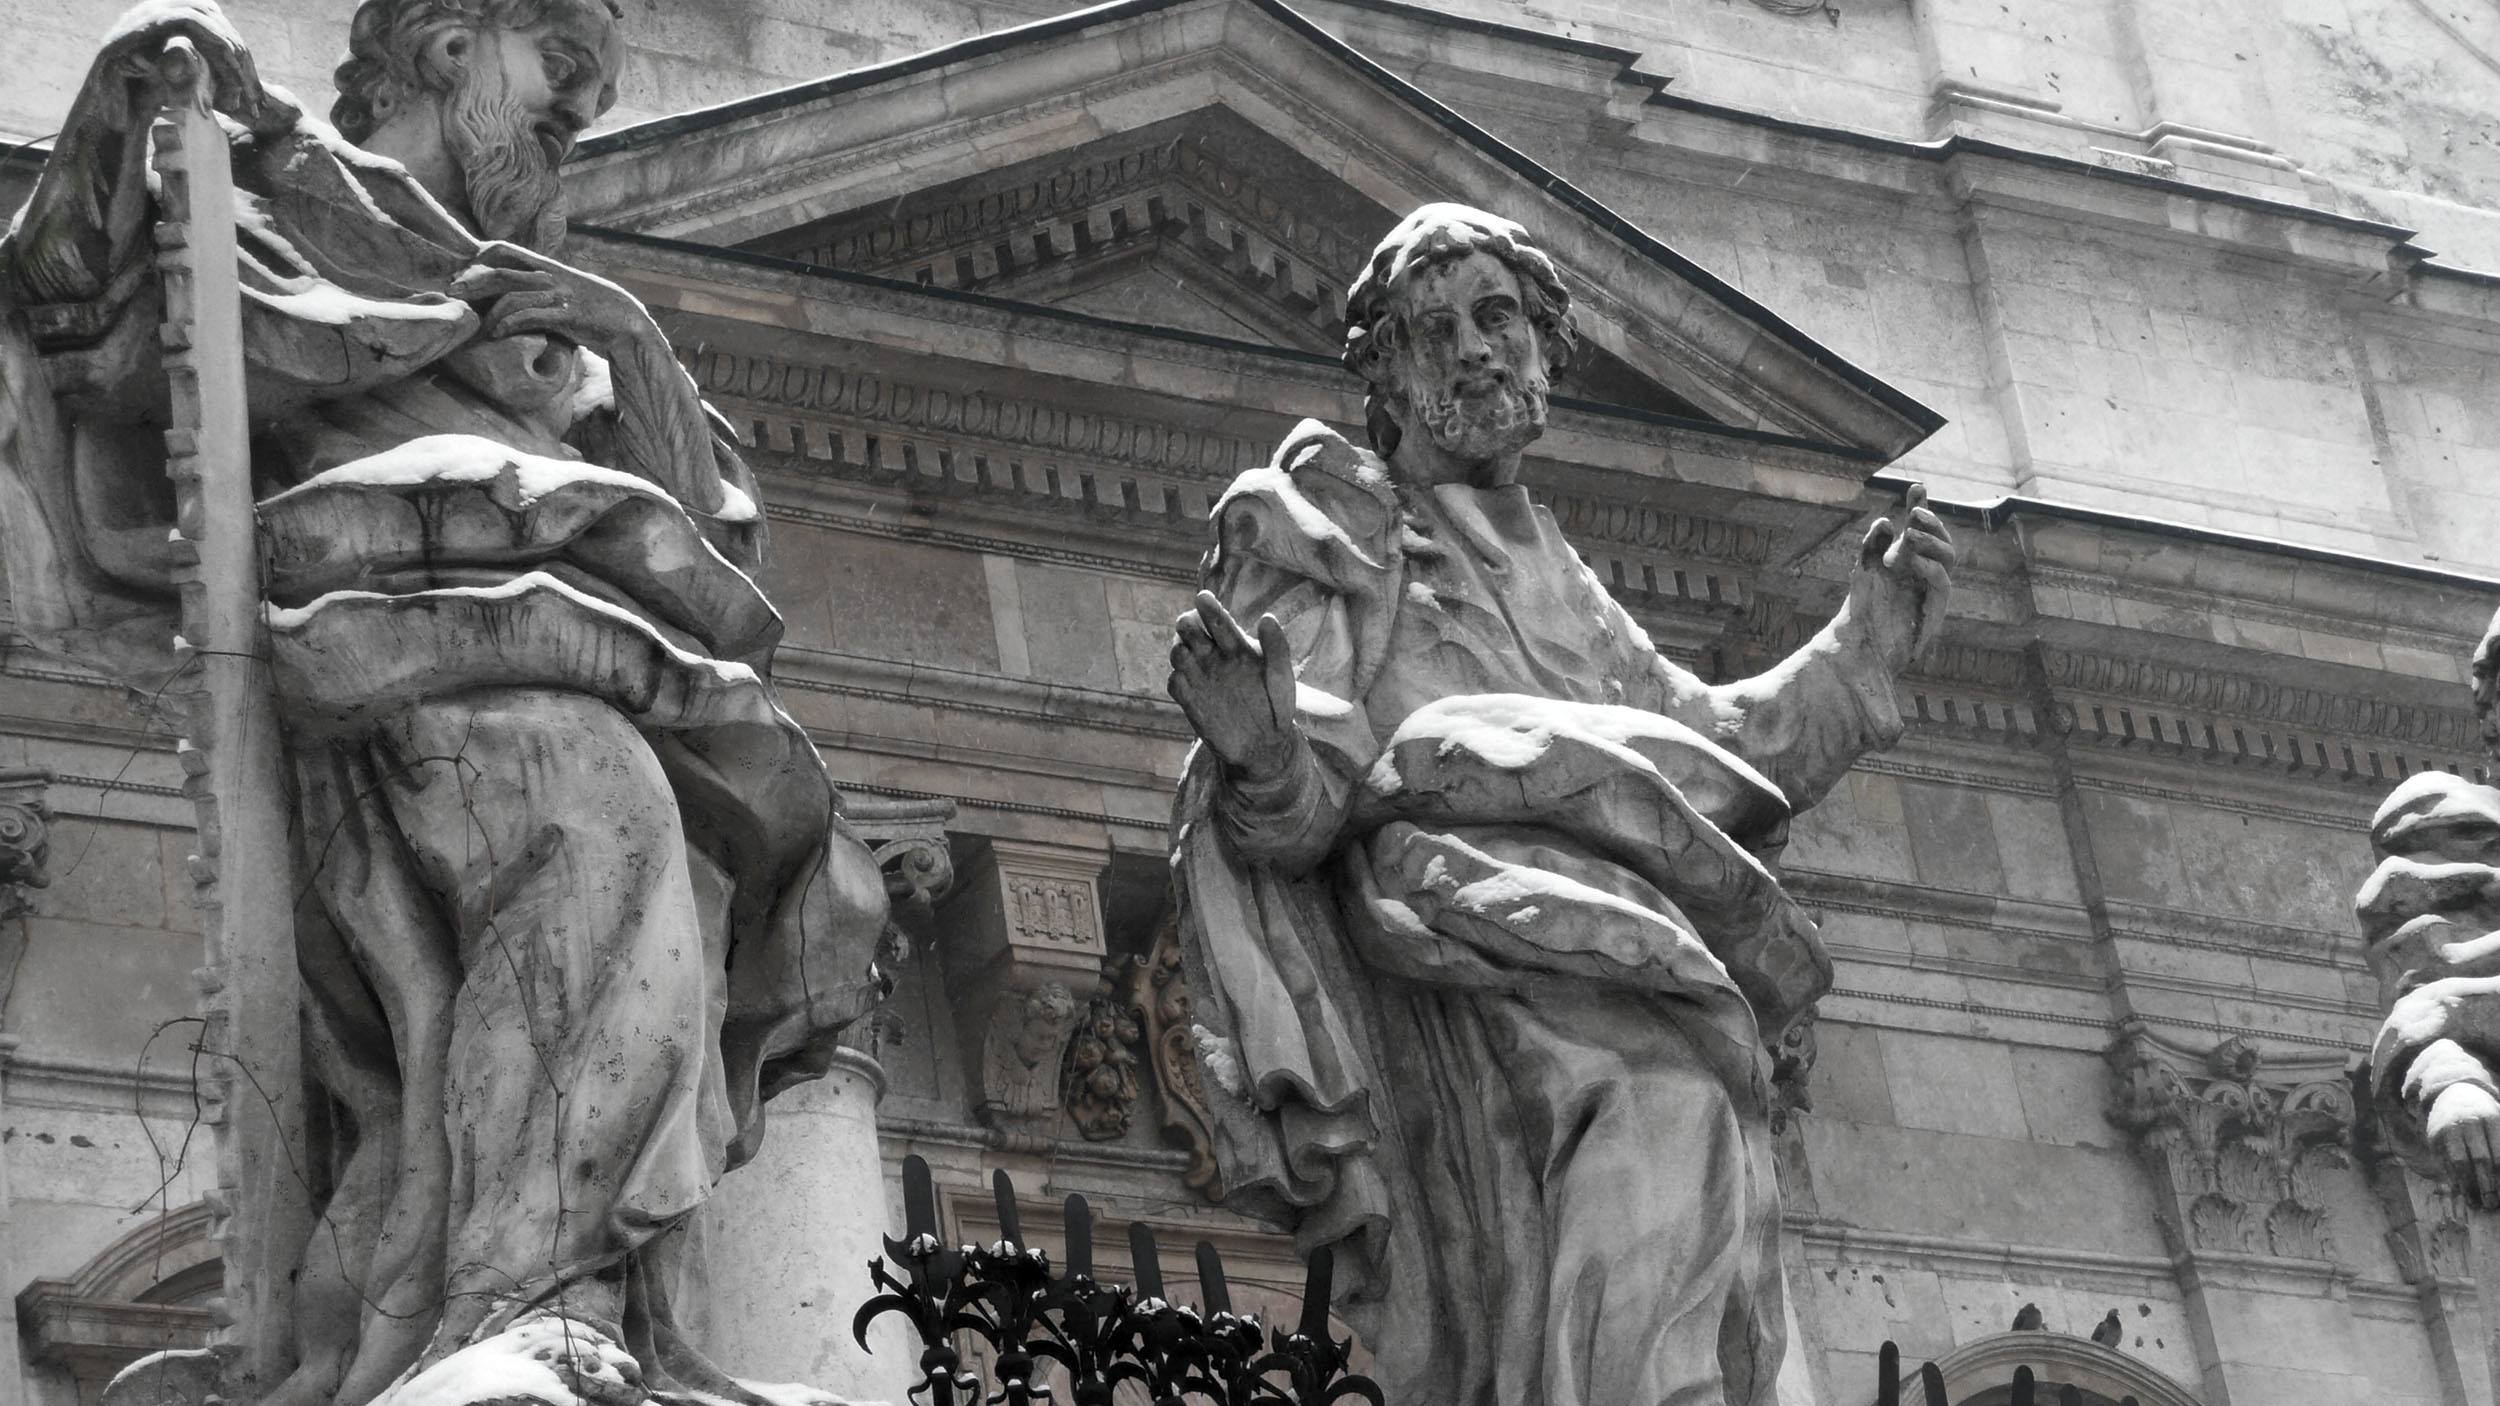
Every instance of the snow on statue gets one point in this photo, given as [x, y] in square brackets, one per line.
[576, 895]
[1476, 885]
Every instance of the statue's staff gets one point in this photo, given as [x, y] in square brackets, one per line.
[232, 761]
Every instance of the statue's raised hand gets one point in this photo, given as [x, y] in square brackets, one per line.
[1905, 565]
[1238, 692]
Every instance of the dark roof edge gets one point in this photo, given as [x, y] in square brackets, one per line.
[1996, 512]
[967, 298]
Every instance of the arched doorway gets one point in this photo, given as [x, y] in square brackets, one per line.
[1981, 1373]
[146, 1292]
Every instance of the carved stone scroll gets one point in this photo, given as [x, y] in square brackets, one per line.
[2240, 1142]
[908, 837]
[25, 836]
[1159, 993]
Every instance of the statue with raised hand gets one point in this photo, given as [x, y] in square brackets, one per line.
[1477, 887]
[2430, 914]
[574, 894]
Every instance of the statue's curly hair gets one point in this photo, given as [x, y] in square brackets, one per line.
[1435, 234]
[386, 48]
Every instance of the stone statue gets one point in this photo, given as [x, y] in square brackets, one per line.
[1476, 885]
[574, 895]
[2428, 918]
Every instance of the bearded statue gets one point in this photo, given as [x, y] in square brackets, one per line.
[574, 894]
[1479, 891]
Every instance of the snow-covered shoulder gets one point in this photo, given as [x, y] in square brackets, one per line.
[465, 458]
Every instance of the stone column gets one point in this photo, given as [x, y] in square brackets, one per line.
[2428, 1234]
[785, 1243]
[25, 843]
[2239, 1145]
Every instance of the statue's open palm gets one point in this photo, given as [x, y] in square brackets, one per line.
[1238, 692]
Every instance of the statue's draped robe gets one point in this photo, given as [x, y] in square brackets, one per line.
[576, 895]
[1485, 976]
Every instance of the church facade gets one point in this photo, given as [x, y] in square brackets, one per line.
[2175, 309]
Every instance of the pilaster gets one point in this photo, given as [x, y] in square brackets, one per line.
[2429, 1237]
[2239, 1144]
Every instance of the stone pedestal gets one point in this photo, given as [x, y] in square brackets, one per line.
[785, 1242]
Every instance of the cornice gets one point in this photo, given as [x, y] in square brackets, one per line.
[870, 397]
[1132, 177]
[1994, 1011]
[965, 690]
[871, 788]
[1931, 903]
[52, 1081]
[971, 542]
[2202, 689]
[1989, 781]
[1591, 517]
[1843, 1242]
[2337, 949]
[2353, 820]
[2298, 617]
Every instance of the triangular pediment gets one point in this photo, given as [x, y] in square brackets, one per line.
[1219, 168]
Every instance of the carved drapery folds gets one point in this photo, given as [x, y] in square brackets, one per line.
[2241, 1142]
[25, 836]
[1026, 960]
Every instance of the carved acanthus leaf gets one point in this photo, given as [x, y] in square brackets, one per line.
[2241, 1143]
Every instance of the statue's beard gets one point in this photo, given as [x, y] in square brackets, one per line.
[1482, 424]
[511, 183]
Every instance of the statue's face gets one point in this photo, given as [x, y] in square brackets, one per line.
[1470, 371]
[522, 98]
